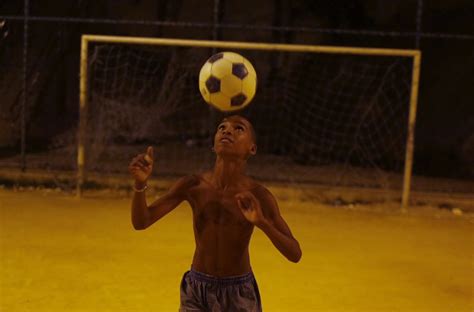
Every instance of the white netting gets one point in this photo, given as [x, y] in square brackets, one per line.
[320, 118]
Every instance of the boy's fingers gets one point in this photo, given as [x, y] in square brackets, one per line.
[138, 165]
[250, 198]
[242, 201]
[245, 196]
[239, 203]
[141, 159]
[148, 159]
[143, 162]
[149, 151]
[149, 155]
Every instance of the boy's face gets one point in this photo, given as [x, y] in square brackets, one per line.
[235, 137]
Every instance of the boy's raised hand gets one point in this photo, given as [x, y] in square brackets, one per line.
[250, 207]
[141, 166]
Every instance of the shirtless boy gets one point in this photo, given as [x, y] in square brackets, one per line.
[226, 206]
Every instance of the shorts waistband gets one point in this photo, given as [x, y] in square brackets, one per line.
[228, 280]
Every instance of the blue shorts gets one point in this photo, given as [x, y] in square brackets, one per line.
[204, 292]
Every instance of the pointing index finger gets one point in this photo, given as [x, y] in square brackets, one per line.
[149, 155]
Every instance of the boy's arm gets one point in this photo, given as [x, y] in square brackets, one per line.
[143, 216]
[264, 213]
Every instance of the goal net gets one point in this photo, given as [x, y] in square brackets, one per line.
[335, 117]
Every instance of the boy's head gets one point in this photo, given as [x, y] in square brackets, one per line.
[235, 136]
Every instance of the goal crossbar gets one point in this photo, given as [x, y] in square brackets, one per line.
[415, 55]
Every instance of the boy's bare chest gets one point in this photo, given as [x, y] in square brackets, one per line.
[217, 207]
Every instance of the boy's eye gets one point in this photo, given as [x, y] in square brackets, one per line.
[221, 127]
[240, 128]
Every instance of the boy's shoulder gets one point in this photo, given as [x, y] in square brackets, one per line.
[258, 189]
[261, 191]
[205, 175]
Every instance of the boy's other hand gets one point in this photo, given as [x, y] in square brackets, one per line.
[141, 166]
[250, 207]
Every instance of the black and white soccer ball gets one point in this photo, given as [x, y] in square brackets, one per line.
[227, 81]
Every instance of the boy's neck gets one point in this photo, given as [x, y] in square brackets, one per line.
[228, 172]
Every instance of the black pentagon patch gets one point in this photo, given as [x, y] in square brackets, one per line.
[213, 84]
[215, 57]
[239, 70]
[238, 99]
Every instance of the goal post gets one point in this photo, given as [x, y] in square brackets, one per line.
[410, 146]
[364, 99]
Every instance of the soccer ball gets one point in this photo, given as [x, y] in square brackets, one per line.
[227, 81]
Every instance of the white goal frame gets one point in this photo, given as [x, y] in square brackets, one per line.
[83, 90]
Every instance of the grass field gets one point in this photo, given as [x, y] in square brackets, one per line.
[59, 253]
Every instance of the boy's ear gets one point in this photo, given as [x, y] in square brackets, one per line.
[253, 149]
